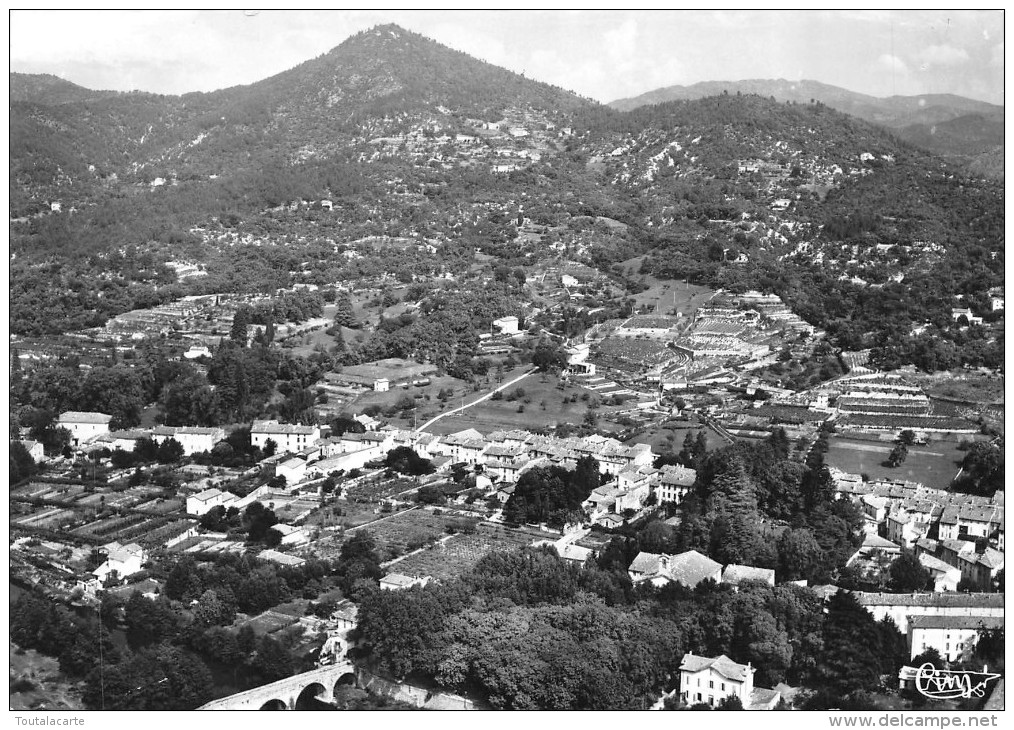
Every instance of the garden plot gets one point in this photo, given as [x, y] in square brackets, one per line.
[461, 552]
[412, 530]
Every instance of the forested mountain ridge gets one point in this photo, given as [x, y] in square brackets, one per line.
[378, 82]
[946, 124]
[891, 111]
[861, 232]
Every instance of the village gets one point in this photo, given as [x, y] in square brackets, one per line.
[84, 528]
[400, 380]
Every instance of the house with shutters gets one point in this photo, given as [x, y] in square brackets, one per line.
[193, 439]
[673, 481]
[287, 437]
[709, 680]
[203, 502]
[952, 636]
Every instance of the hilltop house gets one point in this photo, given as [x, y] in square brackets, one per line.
[706, 680]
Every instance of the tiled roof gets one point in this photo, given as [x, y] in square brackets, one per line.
[398, 579]
[207, 494]
[738, 573]
[678, 475]
[935, 564]
[84, 417]
[991, 558]
[282, 428]
[762, 698]
[721, 664]
[955, 622]
[958, 546]
[871, 542]
[281, 558]
[949, 600]
[691, 567]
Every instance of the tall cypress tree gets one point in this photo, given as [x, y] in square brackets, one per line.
[240, 326]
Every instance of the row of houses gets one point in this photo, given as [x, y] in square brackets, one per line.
[962, 531]
[92, 429]
[948, 622]
[691, 568]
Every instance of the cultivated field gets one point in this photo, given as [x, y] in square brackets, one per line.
[412, 530]
[669, 296]
[658, 437]
[459, 553]
[933, 465]
[496, 415]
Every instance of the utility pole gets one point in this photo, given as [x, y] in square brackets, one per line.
[102, 666]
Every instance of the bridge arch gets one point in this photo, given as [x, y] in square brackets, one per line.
[314, 691]
[346, 680]
[285, 693]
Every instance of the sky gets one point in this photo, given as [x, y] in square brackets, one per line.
[604, 55]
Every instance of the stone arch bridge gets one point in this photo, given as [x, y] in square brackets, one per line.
[286, 694]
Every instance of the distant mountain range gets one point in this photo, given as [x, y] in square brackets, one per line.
[942, 123]
[410, 139]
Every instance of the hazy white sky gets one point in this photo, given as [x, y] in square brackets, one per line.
[604, 55]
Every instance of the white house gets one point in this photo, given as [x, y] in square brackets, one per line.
[381, 385]
[945, 576]
[706, 680]
[291, 535]
[194, 440]
[121, 561]
[507, 325]
[367, 422]
[83, 426]
[34, 449]
[952, 636]
[959, 312]
[202, 502]
[398, 582]
[674, 481]
[287, 437]
[197, 351]
[294, 470]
